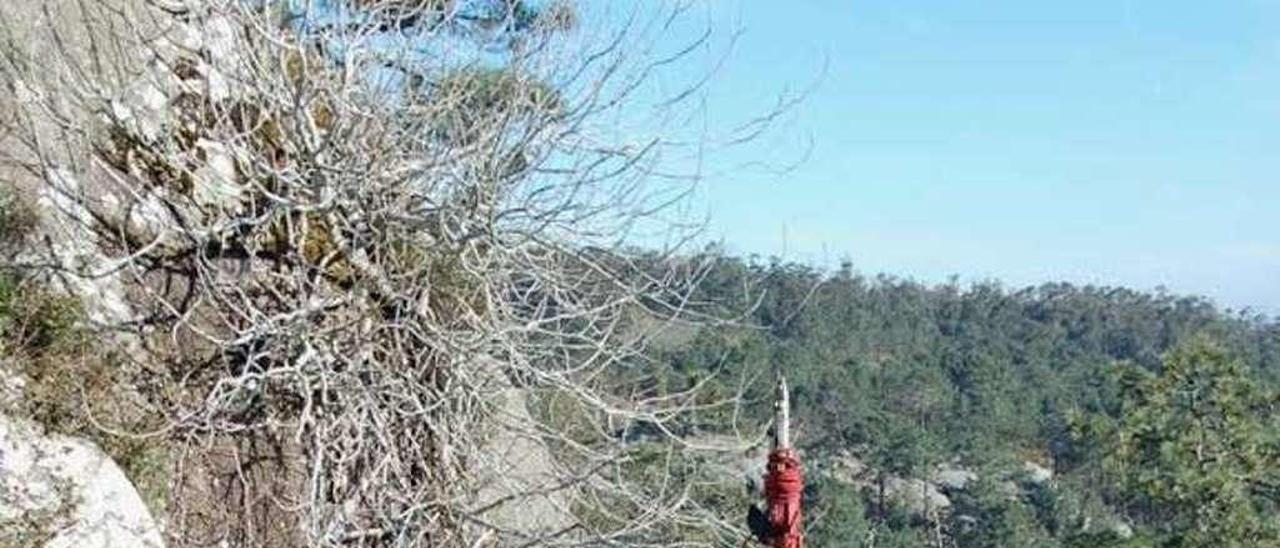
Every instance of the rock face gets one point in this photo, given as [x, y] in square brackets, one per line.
[847, 468]
[1113, 526]
[733, 460]
[1120, 529]
[953, 478]
[1035, 473]
[521, 490]
[921, 498]
[71, 490]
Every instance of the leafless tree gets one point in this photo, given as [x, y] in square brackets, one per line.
[372, 258]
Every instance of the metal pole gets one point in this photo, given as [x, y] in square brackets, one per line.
[784, 480]
[782, 416]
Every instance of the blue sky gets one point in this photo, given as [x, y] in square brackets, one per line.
[1122, 143]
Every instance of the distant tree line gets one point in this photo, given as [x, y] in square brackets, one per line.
[1153, 408]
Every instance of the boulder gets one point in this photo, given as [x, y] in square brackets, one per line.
[847, 468]
[215, 183]
[950, 477]
[731, 460]
[1035, 473]
[921, 498]
[1110, 526]
[67, 493]
[1120, 529]
[1009, 489]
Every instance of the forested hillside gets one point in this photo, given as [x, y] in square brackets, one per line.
[977, 389]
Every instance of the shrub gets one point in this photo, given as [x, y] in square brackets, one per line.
[17, 221]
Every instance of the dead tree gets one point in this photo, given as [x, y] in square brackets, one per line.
[350, 244]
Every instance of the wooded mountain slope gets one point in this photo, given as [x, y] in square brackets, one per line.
[1082, 381]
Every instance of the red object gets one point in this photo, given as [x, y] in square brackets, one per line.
[783, 486]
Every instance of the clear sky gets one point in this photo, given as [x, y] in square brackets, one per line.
[1123, 143]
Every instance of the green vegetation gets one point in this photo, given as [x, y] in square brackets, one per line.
[844, 523]
[17, 220]
[1153, 412]
[1197, 452]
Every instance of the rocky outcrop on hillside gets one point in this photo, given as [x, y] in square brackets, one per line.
[952, 477]
[923, 498]
[1035, 473]
[920, 498]
[734, 460]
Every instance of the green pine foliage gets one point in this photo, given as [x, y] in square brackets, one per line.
[1197, 449]
[837, 516]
